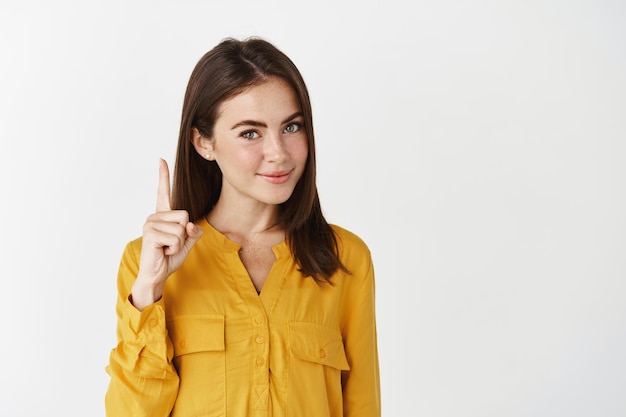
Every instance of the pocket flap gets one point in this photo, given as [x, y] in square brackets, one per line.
[197, 333]
[315, 343]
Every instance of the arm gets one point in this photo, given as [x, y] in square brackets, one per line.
[361, 384]
[143, 379]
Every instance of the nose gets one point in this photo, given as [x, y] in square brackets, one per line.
[275, 150]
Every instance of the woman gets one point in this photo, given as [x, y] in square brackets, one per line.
[240, 299]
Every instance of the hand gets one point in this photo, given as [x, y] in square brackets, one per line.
[168, 236]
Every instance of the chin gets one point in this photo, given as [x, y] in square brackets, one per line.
[276, 201]
[277, 198]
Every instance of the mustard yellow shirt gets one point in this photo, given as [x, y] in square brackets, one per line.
[212, 346]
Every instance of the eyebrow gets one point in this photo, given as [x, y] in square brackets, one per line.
[261, 124]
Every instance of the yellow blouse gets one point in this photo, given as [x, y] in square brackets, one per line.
[213, 347]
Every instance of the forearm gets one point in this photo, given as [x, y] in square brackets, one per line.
[144, 381]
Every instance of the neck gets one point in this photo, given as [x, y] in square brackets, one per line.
[242, 220]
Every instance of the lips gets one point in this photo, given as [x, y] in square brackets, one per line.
[276, 177]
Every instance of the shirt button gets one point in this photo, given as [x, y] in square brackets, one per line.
[322, 353]
[259, 339]
[154, 322]
[258, 319]
[260, 362]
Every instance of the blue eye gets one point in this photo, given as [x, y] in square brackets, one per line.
[250, 134]
[293, 127]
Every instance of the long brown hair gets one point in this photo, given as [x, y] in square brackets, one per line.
[224, 71]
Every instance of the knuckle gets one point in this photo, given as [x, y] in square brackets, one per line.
[147, 227]
[182, 216]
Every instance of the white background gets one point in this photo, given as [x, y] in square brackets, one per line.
[478, 147]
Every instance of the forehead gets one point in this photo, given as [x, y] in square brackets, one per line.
[271, 99]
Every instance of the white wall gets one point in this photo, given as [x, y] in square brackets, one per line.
[479, 147]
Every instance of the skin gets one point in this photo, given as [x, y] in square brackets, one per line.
[261, 147]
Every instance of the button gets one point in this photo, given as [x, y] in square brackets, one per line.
[154, 322]
[258, 319]
[181, 344]
[322, 353]
[260, 362]
[259, 339]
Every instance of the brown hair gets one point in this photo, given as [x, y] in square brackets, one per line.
[224, 71]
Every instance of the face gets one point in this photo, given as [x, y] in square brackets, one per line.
[259, 143]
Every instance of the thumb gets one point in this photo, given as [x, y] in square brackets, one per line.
[194, 233]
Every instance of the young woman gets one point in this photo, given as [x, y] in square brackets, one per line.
[240, 299]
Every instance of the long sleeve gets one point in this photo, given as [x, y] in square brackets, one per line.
[143, 381]
[361, 384]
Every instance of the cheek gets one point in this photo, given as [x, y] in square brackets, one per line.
[244, 157]
[300, 151]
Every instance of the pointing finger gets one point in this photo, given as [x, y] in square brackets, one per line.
[163, 193]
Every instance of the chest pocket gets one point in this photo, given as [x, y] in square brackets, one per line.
[318, 359]
[318, 344]
[199, 357]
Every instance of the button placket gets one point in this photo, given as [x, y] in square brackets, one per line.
[261, 364]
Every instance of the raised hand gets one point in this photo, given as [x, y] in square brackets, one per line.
[168, 236]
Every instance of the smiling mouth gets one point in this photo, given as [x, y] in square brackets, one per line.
[276, 177]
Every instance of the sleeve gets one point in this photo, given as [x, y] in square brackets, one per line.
[361, 384]
[143, 381]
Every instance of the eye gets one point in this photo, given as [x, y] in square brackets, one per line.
[250, 134]
[293, 127]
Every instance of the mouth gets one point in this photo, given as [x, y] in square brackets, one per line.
[276, 177]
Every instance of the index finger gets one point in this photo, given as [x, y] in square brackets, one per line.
[163, 192]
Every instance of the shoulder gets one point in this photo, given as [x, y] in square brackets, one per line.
[356, 257]
[351, 247]
[134, 246]
[131, 252]
[348, 238]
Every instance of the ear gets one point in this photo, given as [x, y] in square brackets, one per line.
[203, 145]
